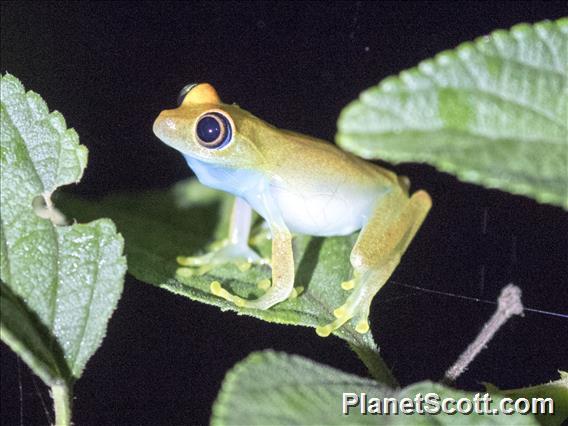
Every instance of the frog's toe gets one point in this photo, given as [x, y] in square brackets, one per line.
[194, 260]
[348, 285]
[269, 299]
[266, 284]
[326, 330]
[185, 272]
[362, 326]
[219, 291]
[296, 291]
[356, 307]
[243, 256]
[342, 315]
[362, 317]
[243, 266]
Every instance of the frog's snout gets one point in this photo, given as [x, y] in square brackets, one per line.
[164, 126]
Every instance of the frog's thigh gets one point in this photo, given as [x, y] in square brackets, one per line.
[377, 252]
[389, 231]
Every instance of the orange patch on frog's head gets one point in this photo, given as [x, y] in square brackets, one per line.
[198, 93]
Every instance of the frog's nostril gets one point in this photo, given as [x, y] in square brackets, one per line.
[170, 123]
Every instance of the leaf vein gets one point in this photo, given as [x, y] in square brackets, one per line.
[553, 52]
[90, 302]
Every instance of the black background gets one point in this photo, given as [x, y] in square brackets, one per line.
[111, 67]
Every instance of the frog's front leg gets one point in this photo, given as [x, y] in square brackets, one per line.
[282, 264]
[235, 248]
[377, 252]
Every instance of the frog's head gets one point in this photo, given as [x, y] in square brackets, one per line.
[205, 128]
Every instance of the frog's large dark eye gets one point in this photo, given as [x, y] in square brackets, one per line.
[213, 130]
[183, 92]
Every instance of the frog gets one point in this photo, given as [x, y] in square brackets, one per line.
[299, 185]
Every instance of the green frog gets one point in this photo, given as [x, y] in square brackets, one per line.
[298, 184]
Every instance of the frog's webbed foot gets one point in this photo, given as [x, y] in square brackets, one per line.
[363, 287]
[241, 255]
[267, 300]
[377, 252]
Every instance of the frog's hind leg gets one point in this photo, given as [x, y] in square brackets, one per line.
[377, 252]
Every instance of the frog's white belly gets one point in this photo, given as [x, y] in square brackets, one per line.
[319, 210]
[324, 212]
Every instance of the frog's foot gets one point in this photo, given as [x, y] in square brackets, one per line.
[242, 255]
[219, 291]
[273, 295]
[282, 285]
[356, 307]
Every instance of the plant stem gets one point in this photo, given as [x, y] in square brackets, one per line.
[376, 365]
[61, 394]
[509, 304]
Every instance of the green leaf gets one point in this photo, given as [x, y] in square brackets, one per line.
[29, 338]
[473, 418]
[492, 112]
[280, 389]
[159, 226]
[557, 390]
[270, 388]
[60, 284]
